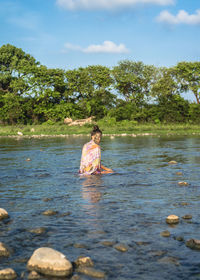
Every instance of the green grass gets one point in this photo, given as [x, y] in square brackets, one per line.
[127, 127]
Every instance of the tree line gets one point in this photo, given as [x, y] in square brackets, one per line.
[31, 93]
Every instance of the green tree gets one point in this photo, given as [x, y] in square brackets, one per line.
[188, 75]
[133, 80]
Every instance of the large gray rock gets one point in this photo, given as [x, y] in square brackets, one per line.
[3, 214]
[7, 274]
[49, 262]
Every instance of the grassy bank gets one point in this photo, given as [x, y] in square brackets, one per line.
[125, 127]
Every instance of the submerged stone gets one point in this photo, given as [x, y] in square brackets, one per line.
[183, 183]
[79, 245]
[172, 219]
[172, 162]
[169, 260]
[179, 238]
[3, 214]
[121, 247]
[83, 261]
[179, 173]
[4, 252]
[40, 230]
[89, 271]
[49, 262]
[49, 213]
[108, 243]
[193, 244]
[7, 273]
[165, 233]
[187, 217]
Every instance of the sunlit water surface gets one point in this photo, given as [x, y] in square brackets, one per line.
[128, 207]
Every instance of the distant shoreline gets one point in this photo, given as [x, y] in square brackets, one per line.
[120, 129]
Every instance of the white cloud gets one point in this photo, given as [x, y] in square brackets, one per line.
[182, 17]
[106, 47]
[107, 4]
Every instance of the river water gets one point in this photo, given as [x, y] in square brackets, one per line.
[128, 207]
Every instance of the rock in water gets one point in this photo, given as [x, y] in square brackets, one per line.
[172, 162]
[172, 219]
[3, 250]
[8, 274]
[49, 262]
[50, 212]
[165, 233]
[183, 183]
[193, 244]
[3, 214]
[121, 247]
[83, 261]
[91, 272]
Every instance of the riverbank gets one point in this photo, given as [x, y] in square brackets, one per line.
[117, 129]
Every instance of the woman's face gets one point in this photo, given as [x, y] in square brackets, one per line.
[97, 138]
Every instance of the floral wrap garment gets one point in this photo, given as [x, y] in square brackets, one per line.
[90, 159]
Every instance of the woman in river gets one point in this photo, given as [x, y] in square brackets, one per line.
[91, 155]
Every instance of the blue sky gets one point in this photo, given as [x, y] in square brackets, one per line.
[72, 33]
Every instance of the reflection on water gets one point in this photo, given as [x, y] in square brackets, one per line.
[129, 206]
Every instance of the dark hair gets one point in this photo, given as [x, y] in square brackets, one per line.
[96, 130]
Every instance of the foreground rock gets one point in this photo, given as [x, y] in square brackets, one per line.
[3, 214]
[172, 219]
[89, 271]
[3, 250]
[8, 274]
[49, 262]
[193, 244]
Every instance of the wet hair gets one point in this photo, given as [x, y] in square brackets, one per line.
[96, 130]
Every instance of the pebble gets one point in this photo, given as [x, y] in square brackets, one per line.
[79, 245]
[108, 243]
[121, 247]
[165, 233]
[184, 203]
[40, 230]
[193, 244]
[179, 173]
[49, 213]
[89, 271]
[172, 162]
[3, 250]
[75, 277]
[3, 214]
[187, 217]
[46, 199]
[179, 238]
[34, 275]
[83, 261]
[183, 183]
[172, 219]
[157, 253]
[49, 262]
[169, 260]
[144, 243]
[28, 159]
[8, 274]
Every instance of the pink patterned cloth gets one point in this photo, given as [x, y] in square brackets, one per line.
[90, 159]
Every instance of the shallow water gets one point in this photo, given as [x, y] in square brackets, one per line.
[128, 207]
